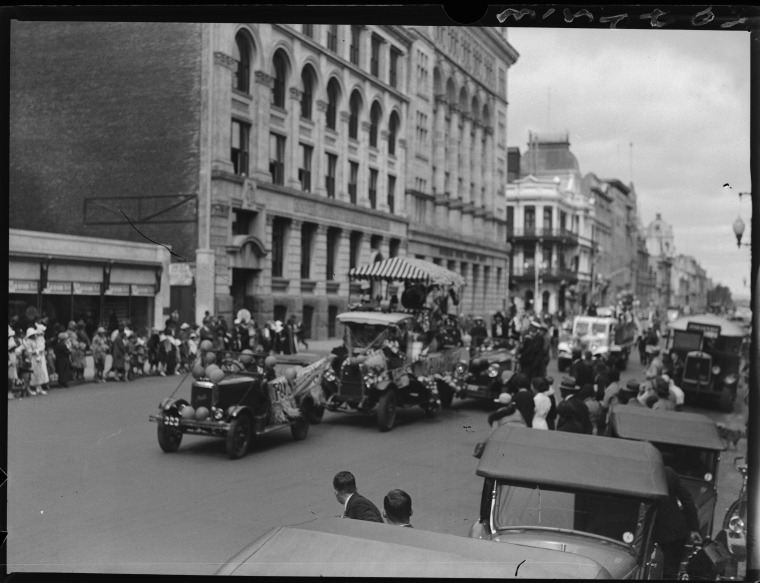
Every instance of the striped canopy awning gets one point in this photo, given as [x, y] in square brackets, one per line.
[407, 269]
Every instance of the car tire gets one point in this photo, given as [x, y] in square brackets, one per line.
[169, 438]
[312, 411]
[446, 394]
[300, 428]
[239, 436]
[726, 400]
[386, 410]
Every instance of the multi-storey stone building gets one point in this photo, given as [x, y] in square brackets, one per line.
[269, 158]
[549, 224]
[456, 158]
[662, 251]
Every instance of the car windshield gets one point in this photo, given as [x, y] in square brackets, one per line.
[594, 328]
[365, 335]
[598, 328]
[581, 328]
[614, 518]
[689, 461]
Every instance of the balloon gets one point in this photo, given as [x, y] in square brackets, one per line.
[216, 375]
[201, 413]
[187, 412]
[206, 345]
[290, 374]
[210, 358]
[270, 362]
[247, 357]
[209, 369]
[199, 371]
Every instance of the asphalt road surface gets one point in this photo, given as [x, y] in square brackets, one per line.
[89, 489]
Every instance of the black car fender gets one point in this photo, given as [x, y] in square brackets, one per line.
[236, 410]
[168, 403]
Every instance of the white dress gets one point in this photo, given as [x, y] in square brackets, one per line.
[542, 406]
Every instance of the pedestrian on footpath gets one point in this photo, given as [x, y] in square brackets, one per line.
[63, 359]
[42, 351]
[99, 350]
[37, 378]
[355, 505]
[119, 353]
[397, 508]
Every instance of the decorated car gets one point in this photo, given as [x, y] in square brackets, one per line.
[237, 396]
[380, 367]
[538, 492]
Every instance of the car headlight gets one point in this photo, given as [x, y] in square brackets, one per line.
[493, 370]
[708, 477]
[329, 375]
[460, 369]
[716, 369]
[736, 524]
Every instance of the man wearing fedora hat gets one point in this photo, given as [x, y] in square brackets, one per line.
[569, 390]
[662, 389]
[505, 414]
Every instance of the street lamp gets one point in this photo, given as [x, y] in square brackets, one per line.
[738, 225]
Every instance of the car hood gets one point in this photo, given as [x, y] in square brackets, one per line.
[356, 548]
[615, 559]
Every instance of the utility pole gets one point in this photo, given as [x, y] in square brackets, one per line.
[536, 268]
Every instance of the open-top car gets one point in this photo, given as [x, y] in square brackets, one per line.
[708, 350]
[689, 443]
[237, 396]
[380, 367]
[584, 495]
[336, 547]
[483, 377]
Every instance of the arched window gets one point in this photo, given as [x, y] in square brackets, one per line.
[242, 54]
[280, 78]
[392, 133]
[333, 95]
[374, 122]
[353, 120]
[307, 99]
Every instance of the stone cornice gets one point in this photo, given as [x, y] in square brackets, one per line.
[345, 116]
[441, 200]
[365, 125]
[468, 208]
[224, 60]
[296, 93]
[263, 78]
[321, 105]
[455, 204]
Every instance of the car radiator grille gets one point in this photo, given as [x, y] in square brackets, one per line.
[201, 397]
[351, 384]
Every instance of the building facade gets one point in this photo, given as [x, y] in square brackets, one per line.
[456, 158]
[660, 244]
[549, 225]
[269, 159]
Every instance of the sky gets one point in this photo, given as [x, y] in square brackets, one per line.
[681, 98]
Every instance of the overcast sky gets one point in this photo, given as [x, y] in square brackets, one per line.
[680, 97]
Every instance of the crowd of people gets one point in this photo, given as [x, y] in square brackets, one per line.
[40, 358]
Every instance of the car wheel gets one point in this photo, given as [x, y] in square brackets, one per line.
[446, 393]
[312, 411]
[169, 438]
[726, 400]
[239, 437]
[300, 428]
[386, 410]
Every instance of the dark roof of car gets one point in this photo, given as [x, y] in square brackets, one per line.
[340, 547]
[672, 427]
[573, 461]
[373, 318]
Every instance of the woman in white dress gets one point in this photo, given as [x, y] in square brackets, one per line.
[542, 403]
[38, 361]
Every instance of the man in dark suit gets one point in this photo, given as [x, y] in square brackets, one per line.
[397, 508]
[356, 506]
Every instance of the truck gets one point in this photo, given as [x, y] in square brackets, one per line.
[609, 337]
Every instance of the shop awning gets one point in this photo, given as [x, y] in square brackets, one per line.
[407, 269]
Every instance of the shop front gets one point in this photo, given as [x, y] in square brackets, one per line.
[99, 281]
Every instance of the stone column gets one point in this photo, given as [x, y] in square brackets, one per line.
[439, 149]
[319, 259]
[476, 166]
[292, 268]
[319, 158]
[220, 137]
[488, 170]
[401, 155]
[259, 160]
[464, 170]
[292, 154]
[341, 188]
[362, 197]
[382, 173]
[453, 162]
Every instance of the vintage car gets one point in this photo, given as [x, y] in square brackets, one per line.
[338, 547]
[484, 377]
[380, 367]
[689, 443]
[236, 396]
[585, 495]
[607, 337]
[709, 351]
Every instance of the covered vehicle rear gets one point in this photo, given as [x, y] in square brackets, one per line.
[336, 547]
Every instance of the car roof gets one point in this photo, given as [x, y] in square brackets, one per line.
[727, 327]
[340, 547]
[671, 427]
[573, 461]
[374, 318]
